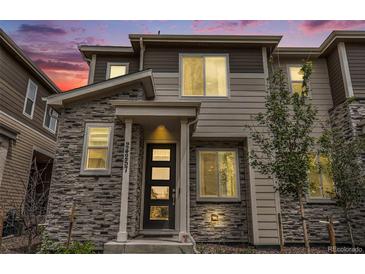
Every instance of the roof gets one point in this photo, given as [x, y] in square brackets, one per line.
[237, 40]
[18, 53]
[88, 50]
[144, 78]
[332, 40]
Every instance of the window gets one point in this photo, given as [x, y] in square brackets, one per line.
[97, 149]
[320, 181]
[30, 99]
[296, 79]
[116, 70]
[50, 119]
[204, 75]
[218, 174]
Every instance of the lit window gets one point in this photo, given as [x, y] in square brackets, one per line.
[296, 80]
[204, 75]
[218, 174]
[320, 181]
[97, 148]
[50, 119]
[116, 70]
[30, 99]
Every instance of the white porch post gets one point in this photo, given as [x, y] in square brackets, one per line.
[122, 234]
[184, 146]
[4, 144]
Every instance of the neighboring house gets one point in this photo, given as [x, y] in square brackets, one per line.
[155, 144]
[27, 125]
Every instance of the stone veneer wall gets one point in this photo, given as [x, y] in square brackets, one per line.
[97, 198]
[354, 113]
[233, 223]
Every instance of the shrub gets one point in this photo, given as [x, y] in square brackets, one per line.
[52, 247]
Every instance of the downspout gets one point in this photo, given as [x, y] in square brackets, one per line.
[188, 186]
[141, 53]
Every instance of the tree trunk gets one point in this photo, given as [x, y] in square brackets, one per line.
[349, 227]
[304, 223]
[30, 240]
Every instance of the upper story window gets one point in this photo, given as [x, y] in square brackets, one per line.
[50, 119]
[116, 69]
[296, 79]
[30, 99]
[321, 183]
[218, 175]
[97, 152]
[204, 75]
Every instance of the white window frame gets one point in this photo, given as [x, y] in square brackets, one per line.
[26, 97]
[97, 171]
[288, 66]
[181, 75]
[44, 120]
[321, 198]
[200, 198]
[109, 64]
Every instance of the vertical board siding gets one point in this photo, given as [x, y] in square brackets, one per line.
[335, 77]
[102, 61]
[356, 59]
[244, 60]
[13, 88]
[18, 162]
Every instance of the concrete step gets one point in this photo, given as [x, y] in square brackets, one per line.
[148, 246]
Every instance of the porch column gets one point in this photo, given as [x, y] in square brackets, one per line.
[4, 144]
[122, 234]
[184, 146]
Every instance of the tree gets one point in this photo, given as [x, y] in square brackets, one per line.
[282, 135]
[346, 168]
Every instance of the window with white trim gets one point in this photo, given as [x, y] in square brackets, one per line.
[204, 75]
[30, 99]
[321, 183]
[97, 149]
[116, 70]
[296, 79]
[50, 119]
[218, 174]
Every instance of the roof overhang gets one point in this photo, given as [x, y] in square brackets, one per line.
[19, 55]
[126, 109]
[328, 44]
[231, 40]
[88, 50]
[144, 78]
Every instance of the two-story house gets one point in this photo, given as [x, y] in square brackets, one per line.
[155, 146]
[27, 126]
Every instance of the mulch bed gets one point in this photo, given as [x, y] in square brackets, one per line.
[16, 245]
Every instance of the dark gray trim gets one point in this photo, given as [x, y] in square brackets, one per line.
[8, 132]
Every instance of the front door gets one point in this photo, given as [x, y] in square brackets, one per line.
[159, 203]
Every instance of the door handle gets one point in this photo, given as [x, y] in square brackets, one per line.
[173, 196]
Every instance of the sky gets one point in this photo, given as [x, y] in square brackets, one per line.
[53, 45]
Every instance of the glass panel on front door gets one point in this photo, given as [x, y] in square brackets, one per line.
[160, 180]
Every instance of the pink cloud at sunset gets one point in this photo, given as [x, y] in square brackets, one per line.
[222, 26]
[313, 26]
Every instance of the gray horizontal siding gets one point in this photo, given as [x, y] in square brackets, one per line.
[102, 60]
[335, 77]
[356, 59]
[13, 88]
[243, 60]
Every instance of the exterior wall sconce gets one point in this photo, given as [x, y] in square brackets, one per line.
[214, 218]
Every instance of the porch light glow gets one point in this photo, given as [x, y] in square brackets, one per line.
[214, 218]
[161, 133]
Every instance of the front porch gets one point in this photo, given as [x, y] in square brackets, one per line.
[154, 204]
